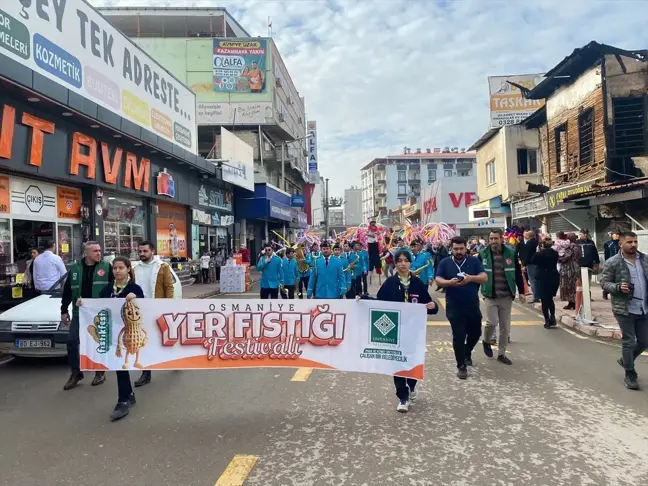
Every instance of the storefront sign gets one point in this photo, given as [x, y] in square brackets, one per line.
[74, 46]
[214, 198]
[467, 198]
[312, 147]
[279, 211]
[529, 208]
[201, 217]
[234, 113]
[298, 201]
[68, 203]
[556, 197]
[302, 219]
[239, 65]
[227, 220]
[33, 198]
[238, 167]
[447, 201]
[165, 184]
[215, 219]
[369, 336]
[5, 195]
[171, 224]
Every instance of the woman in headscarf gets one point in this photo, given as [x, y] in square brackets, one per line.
[569, 272]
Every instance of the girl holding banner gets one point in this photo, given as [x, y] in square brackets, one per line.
[405, 286]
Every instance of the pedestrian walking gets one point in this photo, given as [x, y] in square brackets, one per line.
[156, 280]
[290, 274]
[327, 280]
[388, 258]
[404, 286]
[504, 278]
[47, 268]
[526, 249]
[547, 280]
[269, 264]
[625, 279]
[461, 275]
[123, 287]
[569, 271]
[610, 248]
[86, 279]
[357, 261]
[204, 266]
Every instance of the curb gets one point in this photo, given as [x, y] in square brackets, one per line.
[585, 329]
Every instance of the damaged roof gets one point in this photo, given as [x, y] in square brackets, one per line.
[570, 68]
[604, 189]
[536, 119]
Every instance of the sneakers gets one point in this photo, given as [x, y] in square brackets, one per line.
[631, 380]
[462, 372]
[413, 394]
[488, 349]
[503, 359]
[402, 407]
[73, 380]
[122, 408]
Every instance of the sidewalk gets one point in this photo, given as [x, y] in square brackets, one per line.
[205, 291]
[606, 327]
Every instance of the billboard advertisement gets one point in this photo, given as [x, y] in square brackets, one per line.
[239, 66]
[508, 105]
[312, 146]
[234, 113]
[447, 201]
[238, 160]
[171, 221]
[71, 44]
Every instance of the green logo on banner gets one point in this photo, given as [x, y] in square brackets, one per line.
[101, 331]
[14, 35]
[385, 327]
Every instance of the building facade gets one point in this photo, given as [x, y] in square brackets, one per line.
[388, 182]
[241, 85]
[353, 206]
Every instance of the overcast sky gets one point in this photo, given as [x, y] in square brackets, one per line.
[379, 75]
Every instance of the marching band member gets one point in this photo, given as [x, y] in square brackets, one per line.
[290, 275]
[337, 252]
[405, 286]
[327, 279]
[271, 270]
[303, 262]
[420, 260]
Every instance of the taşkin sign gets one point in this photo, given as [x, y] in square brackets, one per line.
[71, 44]
[373, 337]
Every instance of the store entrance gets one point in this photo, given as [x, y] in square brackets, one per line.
[28, 235]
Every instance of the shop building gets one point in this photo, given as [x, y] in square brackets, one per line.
[593, 136]
[91, 152]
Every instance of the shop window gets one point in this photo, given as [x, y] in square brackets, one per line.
[560, 134]
[629, 126]
[490, 173]
[527, 160]
[124, 224]
[586, 136]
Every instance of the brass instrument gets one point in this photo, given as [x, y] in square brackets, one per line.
[419, 270]
[302, 266]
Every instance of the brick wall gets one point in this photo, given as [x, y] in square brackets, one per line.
[575, 172]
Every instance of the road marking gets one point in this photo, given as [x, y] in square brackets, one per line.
[514, 323]
[237, 470]
[442, 302]
[302, 374]
[573, 333]
[516, 312]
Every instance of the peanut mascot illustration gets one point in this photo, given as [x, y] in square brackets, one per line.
[132, 337]
[93, 329]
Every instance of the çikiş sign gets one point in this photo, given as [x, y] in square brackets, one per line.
[73, 45]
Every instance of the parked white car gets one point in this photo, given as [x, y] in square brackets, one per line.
[32, 329]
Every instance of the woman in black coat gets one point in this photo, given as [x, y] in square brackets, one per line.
[405, 286]
[547, 280]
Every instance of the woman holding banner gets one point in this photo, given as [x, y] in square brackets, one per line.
[124, 287]
[405, 286]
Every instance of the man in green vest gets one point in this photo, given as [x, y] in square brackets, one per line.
[85, 280]
[504, 276]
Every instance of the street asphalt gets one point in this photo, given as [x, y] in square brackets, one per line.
[560, 415]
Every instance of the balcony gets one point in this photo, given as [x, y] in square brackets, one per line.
[415, 178]
[381, 168]
[381, 177]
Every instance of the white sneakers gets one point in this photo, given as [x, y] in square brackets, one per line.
[413, 395]
[403, 406]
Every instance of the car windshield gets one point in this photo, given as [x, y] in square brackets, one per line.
[57, 288]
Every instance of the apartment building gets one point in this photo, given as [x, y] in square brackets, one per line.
[390, 181]
[353, 206]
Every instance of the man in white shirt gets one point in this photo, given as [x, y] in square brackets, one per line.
[204, 266]
[156, 280]
[48, 268]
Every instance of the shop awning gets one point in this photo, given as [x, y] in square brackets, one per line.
[262, 208]
[607, 193]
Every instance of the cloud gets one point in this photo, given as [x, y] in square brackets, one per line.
[380, 75]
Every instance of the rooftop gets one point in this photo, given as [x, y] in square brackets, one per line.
[579, 61]
[483, 140]
[421, 155]
[174, 21]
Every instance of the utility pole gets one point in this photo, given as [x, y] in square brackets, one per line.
[326, 208]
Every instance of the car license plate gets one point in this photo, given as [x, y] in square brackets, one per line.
[33, 343]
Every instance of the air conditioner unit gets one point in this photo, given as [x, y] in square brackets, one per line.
[281, 117]
[278, 82]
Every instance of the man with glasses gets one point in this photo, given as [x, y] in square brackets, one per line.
[271, 270]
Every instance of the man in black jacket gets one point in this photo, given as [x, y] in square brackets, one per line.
[610, 249]
[526, 249]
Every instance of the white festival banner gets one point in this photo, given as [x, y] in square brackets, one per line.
[166, 334]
